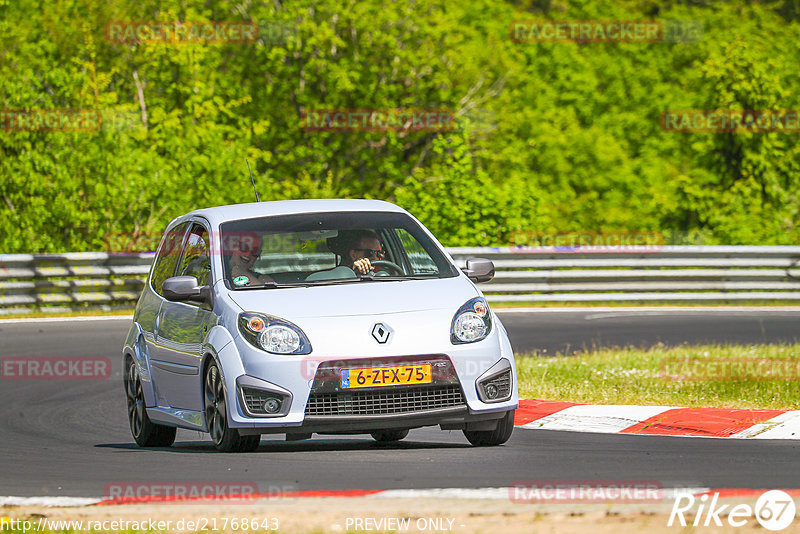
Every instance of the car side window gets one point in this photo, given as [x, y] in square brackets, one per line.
[168, 254]
[196, 260]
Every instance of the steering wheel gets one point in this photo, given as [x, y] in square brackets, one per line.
[389, 265]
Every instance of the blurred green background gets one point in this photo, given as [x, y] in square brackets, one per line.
[550, 137]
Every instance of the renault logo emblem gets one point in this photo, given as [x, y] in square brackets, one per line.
[381, 332]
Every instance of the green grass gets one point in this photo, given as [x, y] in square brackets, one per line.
[75, 313]
[634, 376]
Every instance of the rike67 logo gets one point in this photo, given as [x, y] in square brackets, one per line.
[774, 510]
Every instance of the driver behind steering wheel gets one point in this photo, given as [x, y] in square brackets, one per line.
[362, 247]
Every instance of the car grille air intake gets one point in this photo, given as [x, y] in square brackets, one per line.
[259, 402]
[503, 384]
[382, 402]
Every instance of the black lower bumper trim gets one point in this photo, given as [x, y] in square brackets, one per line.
[447, 418]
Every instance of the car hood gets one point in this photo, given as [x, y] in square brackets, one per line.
[358, 298]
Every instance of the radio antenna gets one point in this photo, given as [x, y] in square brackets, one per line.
[252, 180]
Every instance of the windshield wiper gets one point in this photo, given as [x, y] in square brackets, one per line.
[327, 282]
[267, 285]
[397, 278]
[341, 281]
[275, 285]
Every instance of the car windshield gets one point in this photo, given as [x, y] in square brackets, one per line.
[322, 248]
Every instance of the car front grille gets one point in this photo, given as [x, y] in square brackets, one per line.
[382, 402]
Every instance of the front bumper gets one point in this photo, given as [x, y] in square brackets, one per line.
[329, 408]
[318, 403]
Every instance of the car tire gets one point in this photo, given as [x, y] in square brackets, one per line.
[225, 438]
[498, 436]
[387, 436]
[145, 432]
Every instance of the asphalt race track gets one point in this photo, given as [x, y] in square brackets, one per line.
[71, 438]
[568, 331]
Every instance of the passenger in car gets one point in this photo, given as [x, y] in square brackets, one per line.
[242, 263]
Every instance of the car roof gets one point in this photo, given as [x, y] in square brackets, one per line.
[220, 214]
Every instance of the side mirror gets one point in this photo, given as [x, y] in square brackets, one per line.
[183, 288]
[479, 270]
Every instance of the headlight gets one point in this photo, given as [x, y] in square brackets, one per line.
[273, 334]
[472, 322]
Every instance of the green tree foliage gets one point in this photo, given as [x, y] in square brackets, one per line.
[748, 189]
[549, 136]
[457, 199]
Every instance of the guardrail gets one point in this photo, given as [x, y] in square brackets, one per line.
[670, 273]
[74, 281]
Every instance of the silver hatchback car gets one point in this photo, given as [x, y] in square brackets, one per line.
[314, 316]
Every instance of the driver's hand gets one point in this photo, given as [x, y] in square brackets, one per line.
[362, 266]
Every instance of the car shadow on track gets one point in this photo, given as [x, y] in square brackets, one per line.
[312, 445]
